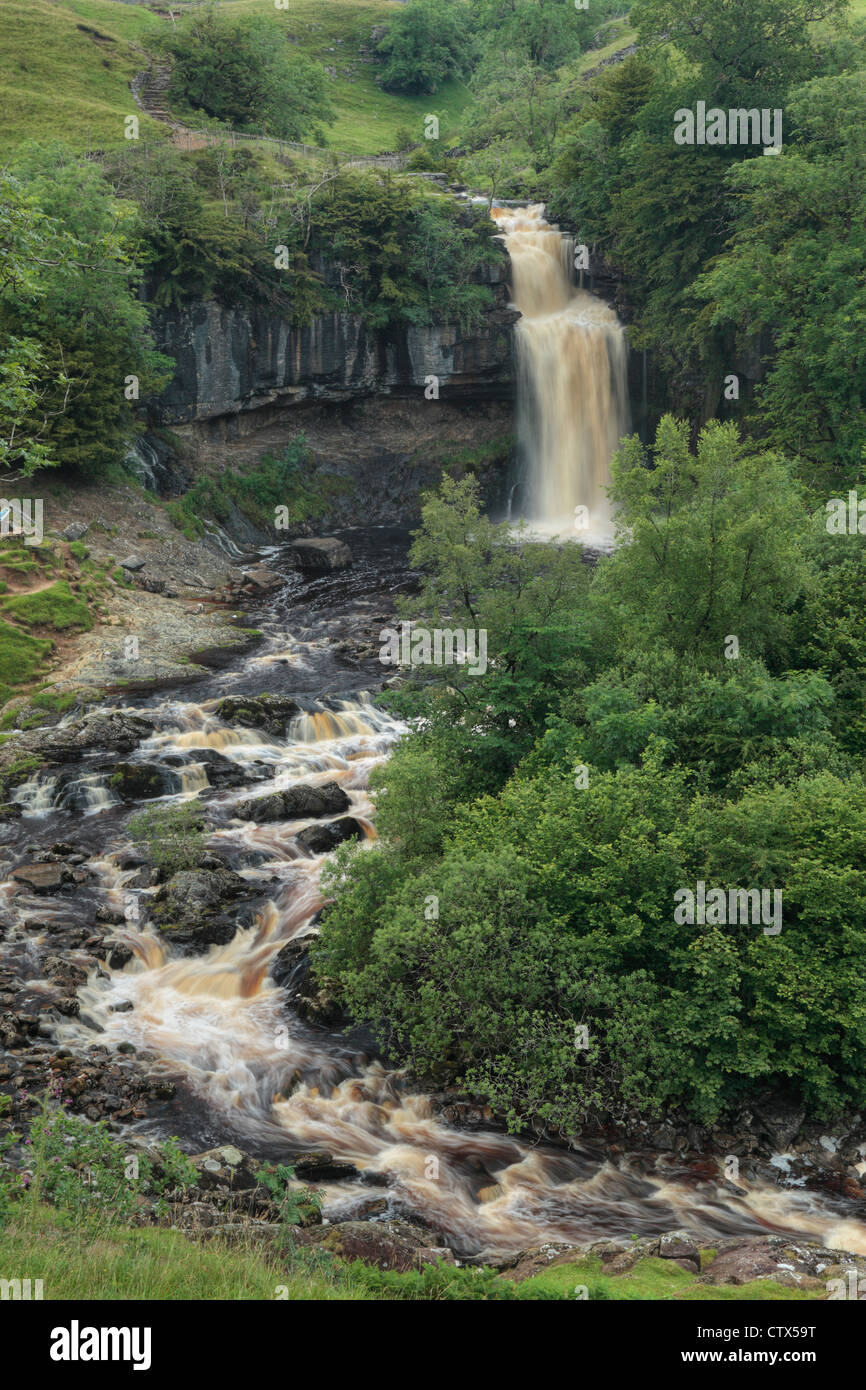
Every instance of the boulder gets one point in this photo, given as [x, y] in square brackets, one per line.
[321, 1167]
[386, 1244]
[272, 713]
[262, 578]
[137, 781]
[191, 908]
[133, 563]
[226, 1165]
[320, 555]
[295, 803]
[43, 878]
[321, 839]
[75, 530]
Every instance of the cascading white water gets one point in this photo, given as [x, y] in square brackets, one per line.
[221, 1022]
[572, 397]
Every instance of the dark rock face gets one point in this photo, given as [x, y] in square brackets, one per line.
[321, 554]
[230, 360]
[296, 803]
[320, 839]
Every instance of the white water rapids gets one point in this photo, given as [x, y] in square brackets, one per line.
[274, 1084]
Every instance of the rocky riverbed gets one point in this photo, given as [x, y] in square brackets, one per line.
[181, 1002]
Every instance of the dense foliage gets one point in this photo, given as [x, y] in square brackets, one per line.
[661, 721]
[242, 71]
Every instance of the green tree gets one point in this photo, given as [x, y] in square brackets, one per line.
[741, 47]
[243, 72]
[427, 44]
[713, 544]
[792, 273]
[74, 328]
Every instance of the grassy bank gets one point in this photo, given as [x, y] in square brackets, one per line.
[103, 1260]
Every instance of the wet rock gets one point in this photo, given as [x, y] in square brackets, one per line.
[222, 772]
[318, 1005]
[321, 554]
[261, 578]
[273, 713]
[321, 1167]
[44, 878]
[289, 963]
[385, 1244]
[137, 781]
[295, 803]
[320, 839]
[190, 908]
[118, 954]
[104, 729]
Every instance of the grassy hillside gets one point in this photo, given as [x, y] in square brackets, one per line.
[65, 69]
[367, 118]
[67, 65]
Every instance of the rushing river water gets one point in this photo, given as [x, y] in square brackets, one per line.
[250, 1070]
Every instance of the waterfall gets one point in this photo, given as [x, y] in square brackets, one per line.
[572, 396]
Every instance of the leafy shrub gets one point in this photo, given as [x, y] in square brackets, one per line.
[172, 836]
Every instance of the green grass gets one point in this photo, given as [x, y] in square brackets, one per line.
[99, 1259]
[655, 1281]
[58, 82]
[46, 701]
[367, 118]
[22, 657]
[55, 607]
[115, 1264]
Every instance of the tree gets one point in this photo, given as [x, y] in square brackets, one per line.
[74, 328]
[712, 544]
[242, 72]
[743, 48]
[793, 271]
[427, 44]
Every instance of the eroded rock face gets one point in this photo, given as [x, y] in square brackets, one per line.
[230, 360]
